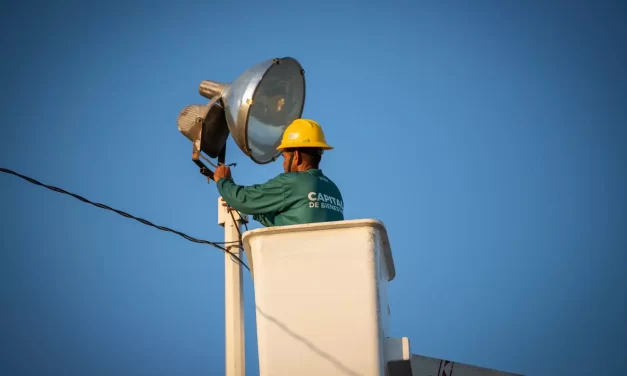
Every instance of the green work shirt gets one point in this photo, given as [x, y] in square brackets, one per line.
[290, 198]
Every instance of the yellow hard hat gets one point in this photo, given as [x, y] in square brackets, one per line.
[303, 133]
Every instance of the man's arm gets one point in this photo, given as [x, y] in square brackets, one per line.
[258, 199]
[265, 219]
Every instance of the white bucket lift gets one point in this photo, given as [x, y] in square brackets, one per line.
[321, 298]
[321, 302]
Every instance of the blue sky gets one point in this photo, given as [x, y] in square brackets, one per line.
[488, 137]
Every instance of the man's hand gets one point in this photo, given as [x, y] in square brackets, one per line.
[222, 172]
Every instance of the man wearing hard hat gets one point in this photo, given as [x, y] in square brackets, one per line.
[302, 194]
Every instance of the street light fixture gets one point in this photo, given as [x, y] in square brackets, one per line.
[255, 109]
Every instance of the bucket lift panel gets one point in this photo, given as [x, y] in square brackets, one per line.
[321, 297]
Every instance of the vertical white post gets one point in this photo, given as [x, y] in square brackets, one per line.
[233, 292]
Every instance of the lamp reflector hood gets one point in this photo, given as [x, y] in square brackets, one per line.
[260, 104]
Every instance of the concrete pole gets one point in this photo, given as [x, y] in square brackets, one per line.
[233, 292]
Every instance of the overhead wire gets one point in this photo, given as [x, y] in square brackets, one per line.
[239, 231]
[141, 220]
[229, 209]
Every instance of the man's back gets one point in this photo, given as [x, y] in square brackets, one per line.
[310, 197]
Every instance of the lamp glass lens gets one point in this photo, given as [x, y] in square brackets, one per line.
[277, 102]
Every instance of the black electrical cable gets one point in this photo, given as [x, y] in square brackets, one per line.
[236, 226]
[239, 231]
[102, 206]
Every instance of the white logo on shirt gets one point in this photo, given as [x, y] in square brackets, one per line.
[323, 201]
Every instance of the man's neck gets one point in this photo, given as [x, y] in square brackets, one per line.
[306, 168]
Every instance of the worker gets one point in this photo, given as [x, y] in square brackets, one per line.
[302, 194]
